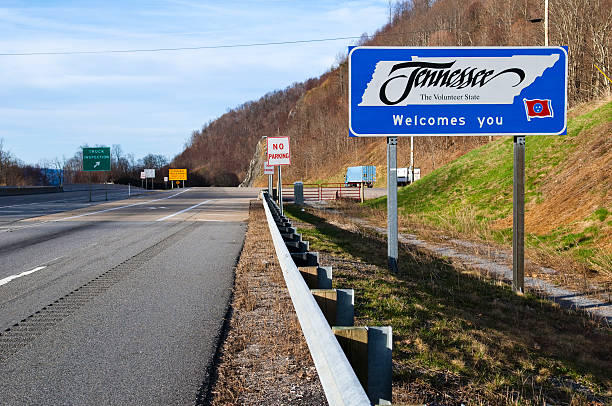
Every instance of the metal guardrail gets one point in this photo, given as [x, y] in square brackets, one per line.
[337, 377]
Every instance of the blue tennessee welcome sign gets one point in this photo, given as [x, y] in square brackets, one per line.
[457, 91]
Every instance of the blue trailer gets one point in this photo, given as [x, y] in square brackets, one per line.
[355, 175]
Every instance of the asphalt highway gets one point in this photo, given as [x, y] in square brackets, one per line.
[115, 303]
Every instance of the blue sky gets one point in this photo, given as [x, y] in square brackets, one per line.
[151, 102]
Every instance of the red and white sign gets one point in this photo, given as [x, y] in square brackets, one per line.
[143, 175]
[278, 151]
[268, 169]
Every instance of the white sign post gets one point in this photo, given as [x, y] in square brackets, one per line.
[143, 177]
[269, 170]
[279, 154]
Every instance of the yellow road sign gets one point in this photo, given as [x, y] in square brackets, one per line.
[177, 174]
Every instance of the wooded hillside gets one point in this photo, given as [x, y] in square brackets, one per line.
[314, 113]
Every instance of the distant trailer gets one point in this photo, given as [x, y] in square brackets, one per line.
[357, 175]
[405, 176]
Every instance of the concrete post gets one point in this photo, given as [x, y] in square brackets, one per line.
[298, 193]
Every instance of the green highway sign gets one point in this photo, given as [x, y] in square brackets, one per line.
[96, 159]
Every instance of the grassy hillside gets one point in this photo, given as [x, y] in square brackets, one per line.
[568, 191]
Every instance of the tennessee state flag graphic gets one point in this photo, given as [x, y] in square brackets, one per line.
[538, 108]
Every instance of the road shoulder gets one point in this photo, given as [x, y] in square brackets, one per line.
[264, 358]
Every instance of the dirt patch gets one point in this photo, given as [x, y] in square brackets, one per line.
[584, 185]
[264, 359]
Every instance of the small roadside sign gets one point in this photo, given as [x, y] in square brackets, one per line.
[165, 179]
[96, 159]
[149, 173]
[268, 169]
[143, 175]
[279, 152]
[177, 174]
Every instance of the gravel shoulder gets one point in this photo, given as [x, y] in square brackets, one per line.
[264, 358]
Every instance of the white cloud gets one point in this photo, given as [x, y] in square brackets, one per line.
[77, 97]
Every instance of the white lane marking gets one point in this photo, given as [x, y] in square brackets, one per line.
[120, 207]
[95, 212]
[10, 278]
[183, 211]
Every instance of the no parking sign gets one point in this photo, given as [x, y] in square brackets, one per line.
[279, 152]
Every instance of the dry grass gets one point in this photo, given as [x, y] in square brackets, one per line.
[460, 337]
[593, 278]
[264, 359]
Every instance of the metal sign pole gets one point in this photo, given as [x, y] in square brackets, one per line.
[280, 189]
[518, 216]
[392, 203]
[270, 184]
[545, 23]
[411, 160]
[90, 186]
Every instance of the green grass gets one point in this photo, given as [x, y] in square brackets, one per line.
[460, 338]
[602, 213]
[475, 190]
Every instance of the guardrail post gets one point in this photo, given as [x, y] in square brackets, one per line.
[368, 350]
[337, 305]
[317, 277]
[324, 277]
[298, 193]
[305, 259]
[380, 366]
[297, 246]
